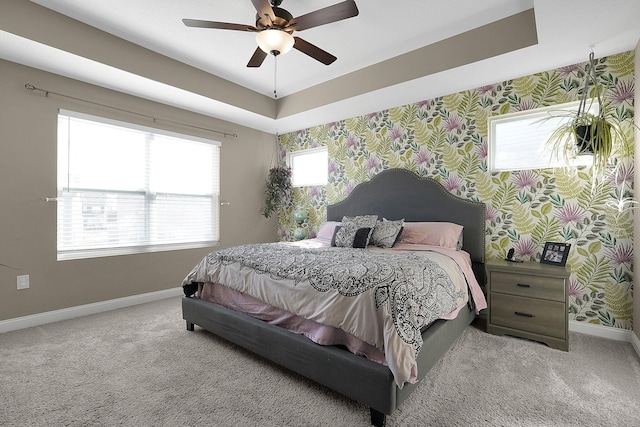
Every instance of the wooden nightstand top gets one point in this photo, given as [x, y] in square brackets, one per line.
[529, 267]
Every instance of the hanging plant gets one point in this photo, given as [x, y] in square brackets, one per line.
[277, 189]
[586, 133]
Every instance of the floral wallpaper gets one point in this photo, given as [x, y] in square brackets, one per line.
[446, 138]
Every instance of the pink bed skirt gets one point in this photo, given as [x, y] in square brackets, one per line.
[318, 333]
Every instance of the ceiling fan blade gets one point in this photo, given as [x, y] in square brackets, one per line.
[219, 25]
[313, 51]
[257, 59]
[337, 12]
[263, 7]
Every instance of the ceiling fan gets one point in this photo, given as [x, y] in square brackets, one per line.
[275, 25]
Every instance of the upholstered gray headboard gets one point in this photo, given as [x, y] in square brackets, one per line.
[399, 193]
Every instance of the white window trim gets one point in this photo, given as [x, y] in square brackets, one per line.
[131, 250]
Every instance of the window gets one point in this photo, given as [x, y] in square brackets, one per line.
[517, 141]
[309, 167]
[124, 188]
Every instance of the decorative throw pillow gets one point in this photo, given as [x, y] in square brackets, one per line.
[445, 234]
[335, 236]
[361, 239]
[386, 233]
[345, 237]
[353, 223]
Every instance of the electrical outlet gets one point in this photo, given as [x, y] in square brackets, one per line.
[23, 282]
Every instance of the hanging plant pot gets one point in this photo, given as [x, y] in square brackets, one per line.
[583, 139]
[594, 138]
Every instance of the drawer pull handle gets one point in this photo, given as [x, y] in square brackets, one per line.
[522, 285]
[519, 313]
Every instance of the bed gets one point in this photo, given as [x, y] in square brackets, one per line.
[391, 194]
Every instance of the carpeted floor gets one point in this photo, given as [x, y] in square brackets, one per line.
[139, 366]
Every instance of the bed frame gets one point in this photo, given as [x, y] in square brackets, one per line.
[392, 194]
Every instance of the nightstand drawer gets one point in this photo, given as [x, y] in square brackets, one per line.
[526, 314]
[549, 288]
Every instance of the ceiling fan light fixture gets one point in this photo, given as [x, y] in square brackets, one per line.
[275, 41]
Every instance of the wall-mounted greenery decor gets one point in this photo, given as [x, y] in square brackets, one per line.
[446, 138]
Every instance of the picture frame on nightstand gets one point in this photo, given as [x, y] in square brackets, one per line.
[555, 253]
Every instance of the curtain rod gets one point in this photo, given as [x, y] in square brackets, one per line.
[32, 88]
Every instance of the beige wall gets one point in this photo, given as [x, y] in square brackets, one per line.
[636, 231]
[34, 22]
[505, 35]
[28, 174]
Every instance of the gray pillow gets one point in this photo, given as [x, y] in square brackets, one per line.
[386, 233]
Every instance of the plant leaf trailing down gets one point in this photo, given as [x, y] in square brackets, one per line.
[585, 133]
[277, 189]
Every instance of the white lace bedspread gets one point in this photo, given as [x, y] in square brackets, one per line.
[382, 297]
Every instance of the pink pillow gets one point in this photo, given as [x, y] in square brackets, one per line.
[445, 234]
[326, 230]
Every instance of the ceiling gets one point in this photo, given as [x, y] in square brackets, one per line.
[384, 32]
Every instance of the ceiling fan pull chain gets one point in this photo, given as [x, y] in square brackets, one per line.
[275, 76]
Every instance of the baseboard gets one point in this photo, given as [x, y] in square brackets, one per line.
[98, 307]
[625, 335]
[636, 343]
[84, 310]
[601, 331]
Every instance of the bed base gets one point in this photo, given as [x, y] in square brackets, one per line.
[353, 376]
[392, 194]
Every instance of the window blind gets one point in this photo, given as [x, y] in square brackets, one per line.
[124, 188]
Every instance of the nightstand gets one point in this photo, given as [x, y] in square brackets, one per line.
[528, 300]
